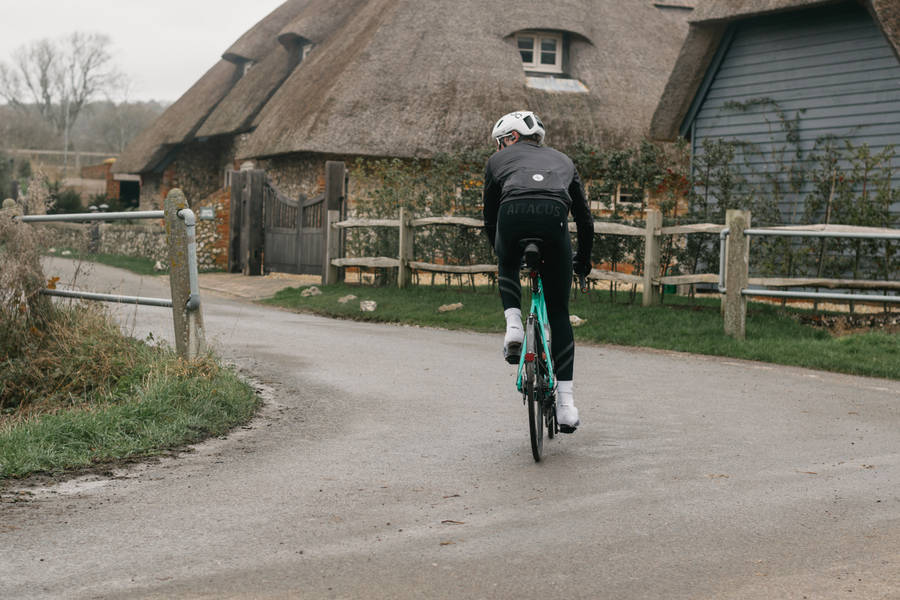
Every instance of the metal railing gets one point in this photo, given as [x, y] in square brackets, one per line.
[185, 214]
[185, 301]
[822, 233]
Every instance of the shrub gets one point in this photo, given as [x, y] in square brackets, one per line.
[66, 201]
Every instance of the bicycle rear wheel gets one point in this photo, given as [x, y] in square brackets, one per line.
[533, 390]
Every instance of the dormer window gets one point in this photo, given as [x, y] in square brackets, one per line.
[541, 51]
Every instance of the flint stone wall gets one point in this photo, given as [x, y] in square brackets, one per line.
[146, 240]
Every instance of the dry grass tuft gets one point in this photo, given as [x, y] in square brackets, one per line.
[23, 309]
[51, 355]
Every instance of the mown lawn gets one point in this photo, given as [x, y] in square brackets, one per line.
[682, 324]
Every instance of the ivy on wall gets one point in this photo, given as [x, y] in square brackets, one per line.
[778, 181]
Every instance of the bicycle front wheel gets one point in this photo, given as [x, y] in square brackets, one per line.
[533, 391]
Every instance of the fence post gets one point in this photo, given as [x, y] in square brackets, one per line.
[335, 184]
[406, 249]
[737, 272]
[252, 223]
[651, 295]
[186, 315]
[331, 273]
[235, 216]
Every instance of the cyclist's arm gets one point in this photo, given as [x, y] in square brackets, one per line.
[581, 211]
[491, 199]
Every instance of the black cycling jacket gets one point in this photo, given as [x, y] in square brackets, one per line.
[529, 170]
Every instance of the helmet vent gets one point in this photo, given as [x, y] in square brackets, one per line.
[529, 121]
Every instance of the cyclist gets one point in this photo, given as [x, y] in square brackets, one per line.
[529, 190]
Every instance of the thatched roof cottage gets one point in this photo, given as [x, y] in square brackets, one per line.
[830, 66]
[323, 79]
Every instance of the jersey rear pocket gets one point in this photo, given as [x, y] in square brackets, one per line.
[524, 179]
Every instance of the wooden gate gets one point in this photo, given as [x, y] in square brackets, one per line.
[281, 232]
[312, 236]
[272, 232]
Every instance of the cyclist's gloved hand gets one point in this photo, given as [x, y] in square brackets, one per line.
[581, 266]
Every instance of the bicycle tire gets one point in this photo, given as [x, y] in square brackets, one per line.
[550, 409]
[533, 392]
[549, 397]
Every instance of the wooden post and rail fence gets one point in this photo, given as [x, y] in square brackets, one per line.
[733, 279]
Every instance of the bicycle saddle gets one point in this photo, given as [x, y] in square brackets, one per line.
[531, 252]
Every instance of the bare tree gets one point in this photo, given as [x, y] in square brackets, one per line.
[58, 77]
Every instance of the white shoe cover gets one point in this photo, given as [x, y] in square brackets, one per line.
[514, 335]
[512, 343]
[567, 415]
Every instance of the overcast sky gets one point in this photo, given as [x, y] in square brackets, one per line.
[163, 46]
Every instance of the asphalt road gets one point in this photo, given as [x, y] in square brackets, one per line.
[393, 462]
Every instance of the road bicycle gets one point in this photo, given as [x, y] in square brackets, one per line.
[535, 379]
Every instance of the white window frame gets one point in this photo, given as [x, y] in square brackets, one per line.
[304, 50]
[538, 37]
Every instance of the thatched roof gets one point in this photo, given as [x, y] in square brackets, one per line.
[707, 28]
[182, 121]
[318, 20]
[250, 93]
[414, 77]
[179, 122]
[257, 42]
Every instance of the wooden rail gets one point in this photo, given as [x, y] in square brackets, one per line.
[458, 269]
[406, 264]
[735, 260]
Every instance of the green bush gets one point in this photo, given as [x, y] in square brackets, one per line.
[66, 201]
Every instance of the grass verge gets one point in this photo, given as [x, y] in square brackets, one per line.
[84, 394]
[773, 334]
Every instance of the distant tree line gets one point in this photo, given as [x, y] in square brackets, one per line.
[68, 94]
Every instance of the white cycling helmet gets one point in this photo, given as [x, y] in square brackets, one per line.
[523, 121]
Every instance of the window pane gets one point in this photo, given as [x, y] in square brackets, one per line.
[526, 48]
[549, 51]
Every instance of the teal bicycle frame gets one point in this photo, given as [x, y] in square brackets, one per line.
[539, 310]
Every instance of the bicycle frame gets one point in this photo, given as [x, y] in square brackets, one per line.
[539, 310]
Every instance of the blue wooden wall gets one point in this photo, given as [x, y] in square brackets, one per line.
[830, 66]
